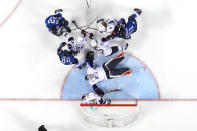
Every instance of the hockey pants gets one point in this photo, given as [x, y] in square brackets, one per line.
[110, 70]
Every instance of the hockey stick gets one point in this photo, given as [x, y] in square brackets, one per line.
[88, 26]
[87, 3]
[74, 22]
[113, 90]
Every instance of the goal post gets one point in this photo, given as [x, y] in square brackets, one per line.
[121, 114]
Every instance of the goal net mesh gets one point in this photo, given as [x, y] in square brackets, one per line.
[110, 116]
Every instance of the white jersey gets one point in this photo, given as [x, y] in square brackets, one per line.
[98, 73]
[76, 46]
[103, 48]
[111, 24]
[89, 99]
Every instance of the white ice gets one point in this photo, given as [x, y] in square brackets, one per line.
[30, 68]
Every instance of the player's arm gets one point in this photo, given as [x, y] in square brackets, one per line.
[73, 53]
[53, 30]
[90, 59]
[59, 50]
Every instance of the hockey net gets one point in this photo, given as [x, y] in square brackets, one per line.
[114, 115]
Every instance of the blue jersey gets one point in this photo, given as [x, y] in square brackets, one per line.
[125, 31]
[55, 22]
[66, 60]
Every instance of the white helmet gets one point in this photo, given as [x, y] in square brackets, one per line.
[79, 39]
[93, 43]
[102, 27]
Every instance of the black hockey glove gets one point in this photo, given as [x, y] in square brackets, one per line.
[64, 22]
[42, 128]
[68, 29]
[63, 44]
[104, 39]
[99, 20]
[73, 53]
[70, 39]
[91, 36]
[58, 10]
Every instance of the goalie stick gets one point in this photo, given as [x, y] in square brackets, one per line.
[112, 90]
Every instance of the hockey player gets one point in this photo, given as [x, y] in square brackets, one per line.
[104, 72]
[103, 46]
[67, 56]
[120, 29]
[78, 44]
[57, 24]
[107, 26]
[94, 99]
[42, 128]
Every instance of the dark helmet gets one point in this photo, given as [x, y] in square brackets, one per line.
[65, 52]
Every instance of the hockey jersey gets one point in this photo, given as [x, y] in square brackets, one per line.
[53, 23]
[66, 60]
[103, 48]
[92, 98]
[98, 73]
[111, 24]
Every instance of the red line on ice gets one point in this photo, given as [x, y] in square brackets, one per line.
[11, 13]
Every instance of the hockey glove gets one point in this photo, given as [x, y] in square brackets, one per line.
[58, 10]
[104, 39]
[68, 29]
[83, 32]
[63, 44]
[91, 36]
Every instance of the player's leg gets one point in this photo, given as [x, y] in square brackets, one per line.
[131, 25]
[98, 90]
[115, 73]
[90, 58]
[113, 62]
[105, 101]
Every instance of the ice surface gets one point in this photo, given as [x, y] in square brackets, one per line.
[30, 68]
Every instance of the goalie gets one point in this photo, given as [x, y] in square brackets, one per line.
[104, 72]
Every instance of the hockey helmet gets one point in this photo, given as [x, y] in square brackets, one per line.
[79, 39]
[89, 77]
[91, 96]
[102, 26]
[93, 43]
[65, 52]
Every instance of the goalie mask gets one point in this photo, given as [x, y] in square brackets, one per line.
[93, 43]
[102, 26]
